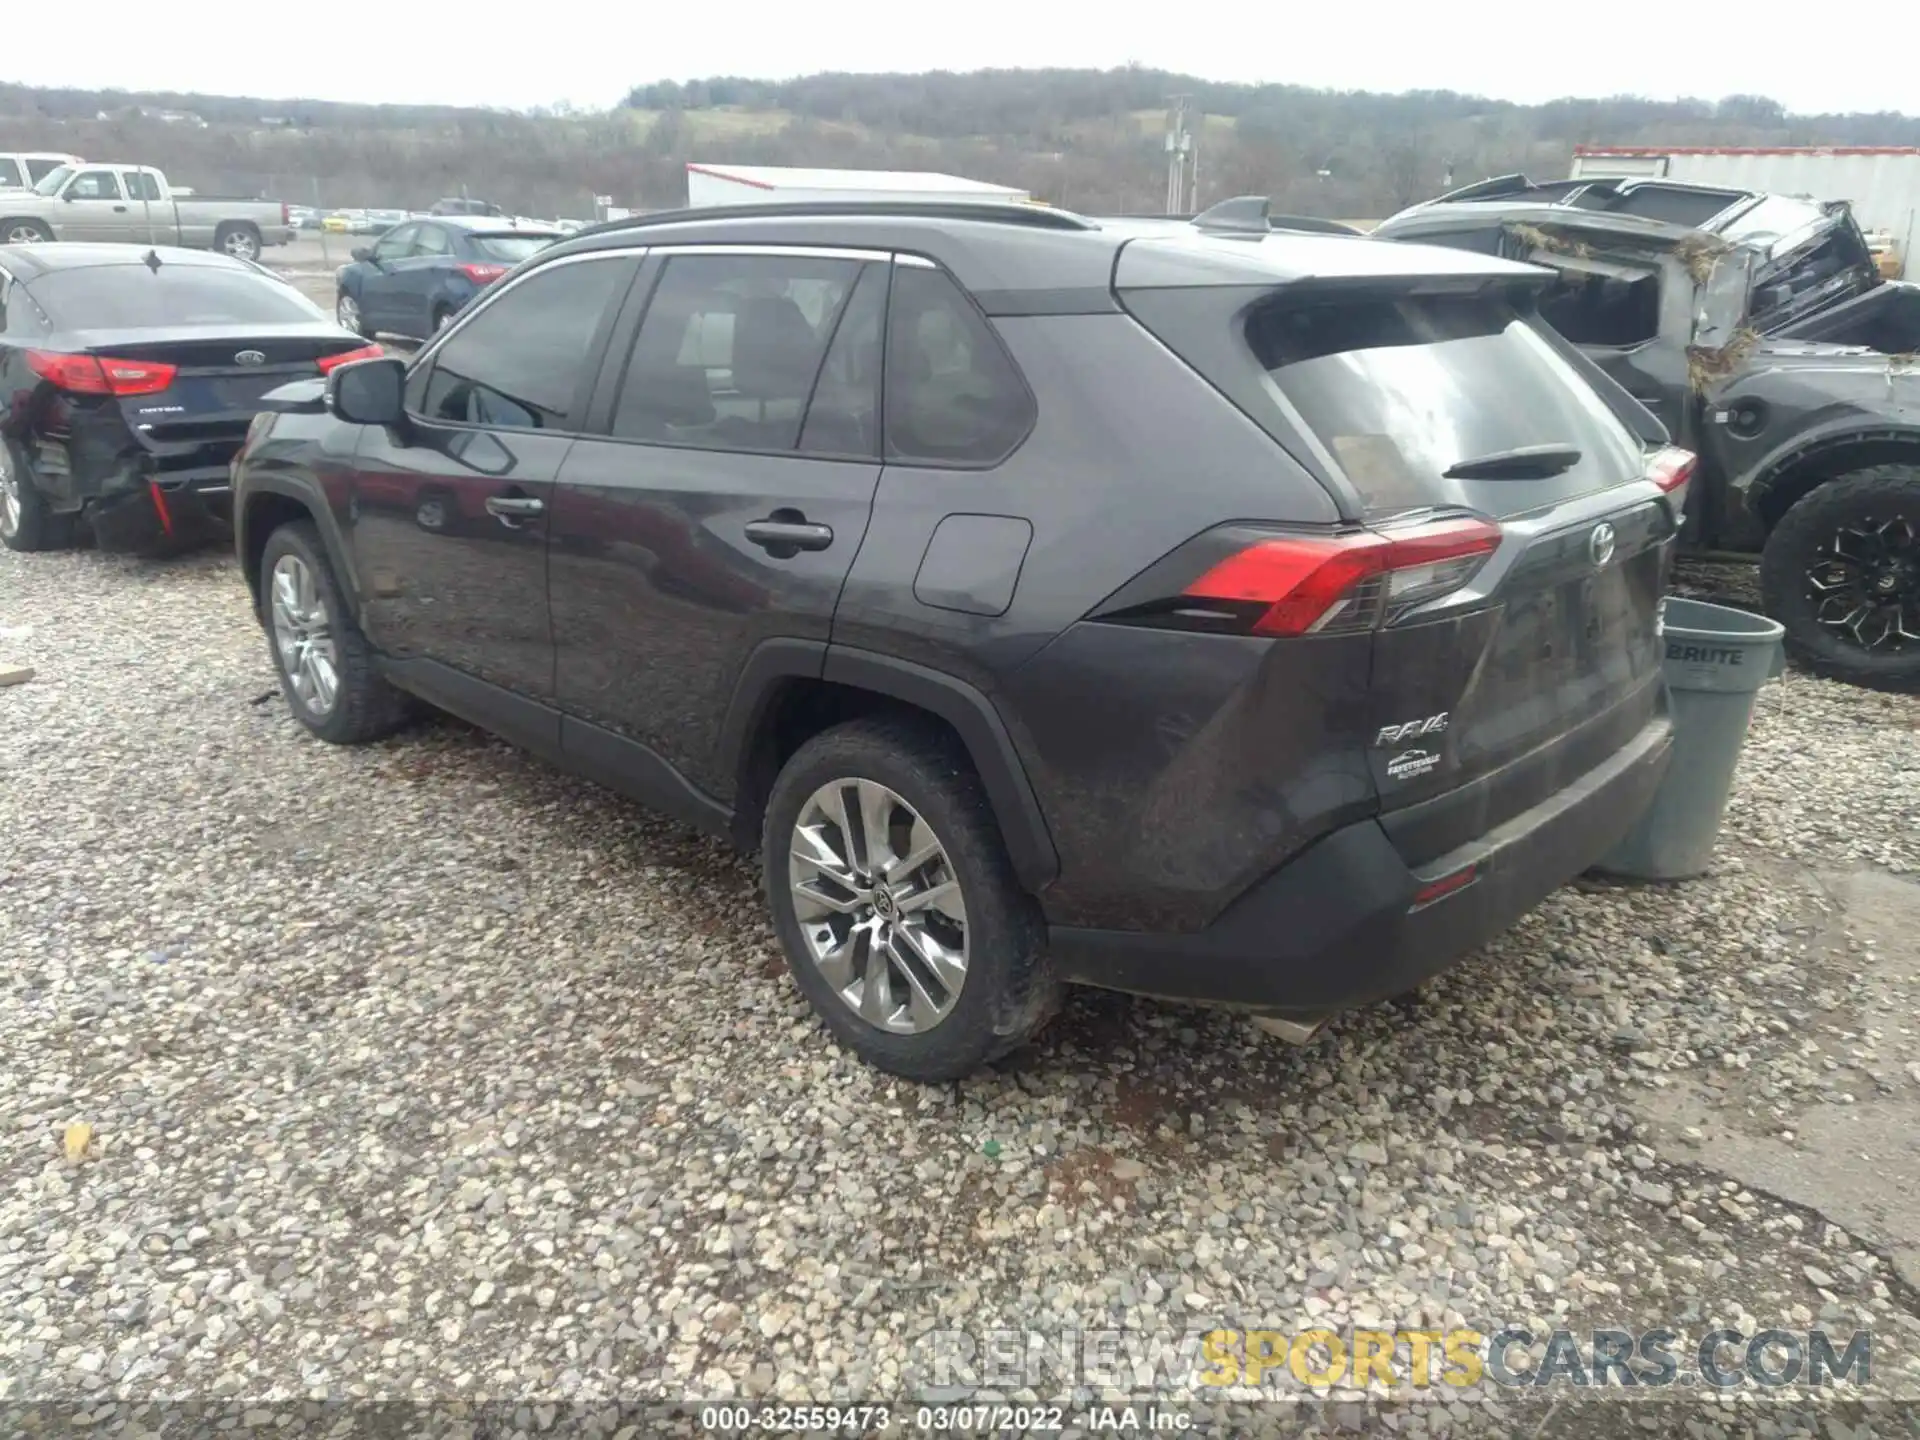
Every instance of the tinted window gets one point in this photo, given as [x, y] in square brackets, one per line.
[432, 240]
[844, 418]
[94, 185]
[511, 249]
[38, 170]
[1606, 306]
[112, 297]
[729, 349]
[395, 243]
[517, 364]
[1488, 240]
[1402, 388]
[10, 172]
[953, 396]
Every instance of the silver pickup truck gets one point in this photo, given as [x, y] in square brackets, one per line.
[134, 204]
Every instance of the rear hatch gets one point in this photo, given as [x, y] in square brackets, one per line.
[1505, 540]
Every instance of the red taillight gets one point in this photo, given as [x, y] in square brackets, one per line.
[1671, 468]
[330, 363]
[100, 374]
[1315, 584]
[483, 274]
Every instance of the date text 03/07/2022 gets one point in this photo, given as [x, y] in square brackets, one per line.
[964, 1418]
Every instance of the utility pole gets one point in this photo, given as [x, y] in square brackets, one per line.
[1179, 147]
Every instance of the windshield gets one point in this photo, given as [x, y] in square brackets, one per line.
[1402, 388]
[511, 249]
[116, 297]
[55, 178]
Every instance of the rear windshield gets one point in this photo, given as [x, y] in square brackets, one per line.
[511, 249]
[1402, 388]
[109, 297]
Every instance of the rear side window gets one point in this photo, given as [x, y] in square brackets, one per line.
[953, 396]
[518, 363]
[1402, 388]
[115, 297]
[844, 418]
[729, 350]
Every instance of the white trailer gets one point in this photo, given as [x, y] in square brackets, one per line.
[780, 184]
[1880, 182]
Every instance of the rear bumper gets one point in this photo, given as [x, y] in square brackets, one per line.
[1337, 926]
[174, 510]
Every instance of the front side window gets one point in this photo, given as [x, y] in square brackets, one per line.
[94, 185]
[518, 363]
[729, 350]
[953, 395]
[395, 243]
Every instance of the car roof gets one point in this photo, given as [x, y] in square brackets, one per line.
[26, 262]
[1029, 260]
[488, 224]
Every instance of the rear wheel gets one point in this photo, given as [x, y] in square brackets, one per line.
[26, 521]
[1842, 572]
[326, 667]
[238, 240]
[25, 232]
[896, 904]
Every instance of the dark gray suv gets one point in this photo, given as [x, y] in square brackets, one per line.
[1262, 619]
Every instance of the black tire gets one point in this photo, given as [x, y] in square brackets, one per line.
[365, 705]
[39, 527]
[359, 323]
[27, 232]
[1880, 494]
[442, 317]
[238, 239]
[1008, 992]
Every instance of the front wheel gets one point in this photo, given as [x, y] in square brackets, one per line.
[26, 232]
[1841, 571]
[896, 905]
[326, 667]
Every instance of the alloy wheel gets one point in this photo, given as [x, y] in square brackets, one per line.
[240, 245]
[347, 311]
[879, 905]
[1865, 584]
[23, 235]
[9, 496]
[303, 636]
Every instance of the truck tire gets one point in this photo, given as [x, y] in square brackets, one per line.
[238, 239]
[26, 522]
[24, 232]
[1842, 572]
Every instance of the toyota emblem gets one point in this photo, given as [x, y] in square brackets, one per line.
[1600, 544]
[250, 357]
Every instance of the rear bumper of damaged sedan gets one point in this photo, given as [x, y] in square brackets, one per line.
[165, 509]
[1348, 922]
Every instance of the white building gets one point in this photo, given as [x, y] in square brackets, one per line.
[780, 184]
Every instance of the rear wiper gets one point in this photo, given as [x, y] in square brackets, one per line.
[1523, 462]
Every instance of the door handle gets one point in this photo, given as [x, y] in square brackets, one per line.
[515, 507]
[789, 536]
[119, 209]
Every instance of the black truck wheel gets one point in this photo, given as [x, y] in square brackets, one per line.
[1842, 572]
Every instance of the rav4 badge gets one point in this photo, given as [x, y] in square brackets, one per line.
[1412, 729]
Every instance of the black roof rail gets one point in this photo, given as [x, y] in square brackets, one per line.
[1005, 212]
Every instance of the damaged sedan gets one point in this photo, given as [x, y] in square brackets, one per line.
[128, 377]
[1759, 329]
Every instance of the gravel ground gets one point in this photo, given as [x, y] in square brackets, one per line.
[422, 1071]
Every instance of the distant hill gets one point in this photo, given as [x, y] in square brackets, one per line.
[1085, 139]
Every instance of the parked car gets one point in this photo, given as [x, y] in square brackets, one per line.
[22, 170]
[1262, 622]
[128, 377]
[338, 222]
[461, 205]
[1760, 331]
[379, 222]
[102, 202]
[418, 276]
[303, 217]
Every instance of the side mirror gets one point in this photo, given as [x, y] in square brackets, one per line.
[369, 392]
[363, 253]
[68, 196]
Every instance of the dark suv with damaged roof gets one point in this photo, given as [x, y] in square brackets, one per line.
[1263, 620]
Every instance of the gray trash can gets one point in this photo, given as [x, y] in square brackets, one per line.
[1716, 659]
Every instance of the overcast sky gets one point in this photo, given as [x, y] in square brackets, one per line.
[590, 52]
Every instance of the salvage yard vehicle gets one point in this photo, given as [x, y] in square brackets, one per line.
[128, 377]
[417, 276]
[1760, 331]
[24, 169]
[1263, 623]
[134, 203]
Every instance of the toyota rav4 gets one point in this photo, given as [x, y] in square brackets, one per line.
[1260, 620]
